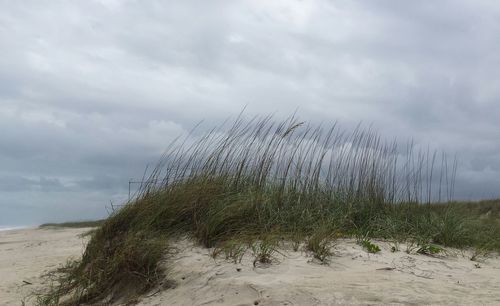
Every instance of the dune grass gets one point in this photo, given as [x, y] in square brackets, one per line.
[258, 182]
[74, 224]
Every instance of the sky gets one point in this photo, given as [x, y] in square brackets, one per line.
[93, 91]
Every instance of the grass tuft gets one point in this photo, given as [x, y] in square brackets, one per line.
[320, 243]
[264, 250]
[369, 246]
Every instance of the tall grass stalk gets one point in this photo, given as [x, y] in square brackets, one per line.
[291, 157]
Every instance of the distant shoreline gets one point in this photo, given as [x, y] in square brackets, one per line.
[19, 227]
[72, 224]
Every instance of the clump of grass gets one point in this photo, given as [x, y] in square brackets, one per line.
[429, 249]
[264, 250]
[233, 250]
[76, 224]
[369, 246]
[365, 242]
[57, 279]
[320, 243]
[118, 262]
[234, 185]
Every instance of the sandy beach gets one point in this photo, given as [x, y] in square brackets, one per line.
[353, 277]
[27, 254]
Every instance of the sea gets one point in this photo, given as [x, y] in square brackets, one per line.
[9, 228]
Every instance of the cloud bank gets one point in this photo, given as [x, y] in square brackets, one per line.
[92, 91]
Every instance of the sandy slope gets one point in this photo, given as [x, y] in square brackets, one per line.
[354, 277]
[27, 254]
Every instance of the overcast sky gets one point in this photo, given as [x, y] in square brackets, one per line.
[91, 91]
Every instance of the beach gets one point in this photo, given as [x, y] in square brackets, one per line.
[26, 255]
[352, 277]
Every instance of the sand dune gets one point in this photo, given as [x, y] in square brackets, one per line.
[353, 277]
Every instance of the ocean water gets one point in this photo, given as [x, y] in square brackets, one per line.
[8, 228]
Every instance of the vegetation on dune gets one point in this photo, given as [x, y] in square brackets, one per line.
[75, 224]
[260, 182]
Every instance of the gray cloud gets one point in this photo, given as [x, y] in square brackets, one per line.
[92, 91]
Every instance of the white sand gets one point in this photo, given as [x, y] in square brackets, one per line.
[353, 277]
[27, 254]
